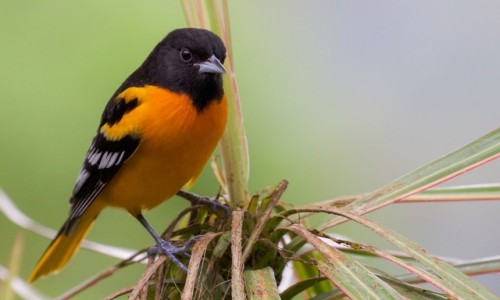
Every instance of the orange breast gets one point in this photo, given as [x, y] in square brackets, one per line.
[176, 142]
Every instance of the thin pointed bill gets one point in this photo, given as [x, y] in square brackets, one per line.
[211, 65]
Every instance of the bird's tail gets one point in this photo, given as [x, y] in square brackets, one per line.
[64, 245]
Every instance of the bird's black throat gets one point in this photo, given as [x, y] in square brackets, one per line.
[206, 89]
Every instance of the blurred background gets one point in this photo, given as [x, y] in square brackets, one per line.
[339, 97]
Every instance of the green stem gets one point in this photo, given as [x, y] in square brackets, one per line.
[213, 15]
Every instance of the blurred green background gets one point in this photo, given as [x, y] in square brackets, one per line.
[339, 97]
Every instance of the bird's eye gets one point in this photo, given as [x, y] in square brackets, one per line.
[186, 55]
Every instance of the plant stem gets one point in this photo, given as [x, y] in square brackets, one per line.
[213, 15]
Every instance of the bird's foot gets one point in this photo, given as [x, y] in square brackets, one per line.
[166, 248]
[211, 203]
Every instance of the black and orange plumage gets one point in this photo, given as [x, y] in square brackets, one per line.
[156, 134]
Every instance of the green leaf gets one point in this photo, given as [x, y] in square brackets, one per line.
[458, 193]
[411, 291]
[222, 244]
[306, 270]
[274, 197]
[406, 290]
[252, 206]
[300, 287]
[355, 280]
[261, 284]
[487, 265]
[477, 153]
[264, 253]
[446, 276]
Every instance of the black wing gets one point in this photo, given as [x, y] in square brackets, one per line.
[104, 158]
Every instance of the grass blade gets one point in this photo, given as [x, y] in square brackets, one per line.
[261, 284]
[347, 274]
[299, 287]
[237, 282]
[213, 15]
[480, 266]
[275, 197]
[22, 289]
[459, 193]
[447, 276]
[17, 217]
[197, 254]
[6, 290]
[410, 291]
[304, 272]
[473, 155]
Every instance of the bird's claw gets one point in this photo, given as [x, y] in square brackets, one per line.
[211, 203]
[166, 248]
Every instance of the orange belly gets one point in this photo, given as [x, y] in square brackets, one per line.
[176, 142]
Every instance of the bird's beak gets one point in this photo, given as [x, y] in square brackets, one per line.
[211, 65]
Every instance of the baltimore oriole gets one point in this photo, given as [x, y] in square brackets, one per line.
[156, 134]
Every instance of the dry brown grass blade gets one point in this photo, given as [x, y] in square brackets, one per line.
[219, 174]
[146, 277]
[6, 290]
[120, 293]
[20, 219]
[197, 254]
[99, 277]
[159, 289]
[167, 234]
[237, 281]
[275, 196]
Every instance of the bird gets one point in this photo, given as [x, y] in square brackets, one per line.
[156, 134]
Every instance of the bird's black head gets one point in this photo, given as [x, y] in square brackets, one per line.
[187, 61]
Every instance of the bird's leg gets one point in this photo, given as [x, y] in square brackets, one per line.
[211, 203]
[164, 247]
